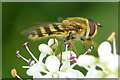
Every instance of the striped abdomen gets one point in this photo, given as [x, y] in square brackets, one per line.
[46, 31]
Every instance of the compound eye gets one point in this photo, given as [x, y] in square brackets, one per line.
[92, 27]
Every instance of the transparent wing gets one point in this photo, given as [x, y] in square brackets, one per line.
[60, 19]
[31, 29]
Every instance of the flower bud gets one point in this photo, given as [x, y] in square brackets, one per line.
[53, 43]
[104, 49]
[43, 48]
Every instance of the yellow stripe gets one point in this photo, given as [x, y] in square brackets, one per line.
[81, 18]
[35, 37]
[43, 32]
[52, 28]
[60, 27]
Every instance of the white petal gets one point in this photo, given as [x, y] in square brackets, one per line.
[71, 73]
[93, 73]
[42, 67]
[103, 68]
[37, 75]
[32, 70]
[65, 66]
[62, 75]
[113, 64]
[48, 75]
[37, 67]
[105, 59]
[41, 57]
[55, 75]
[104, 49]
[43, 48]
[52, 63]
[111, 76]
[53, 42]
[86, 60]
[66, 55]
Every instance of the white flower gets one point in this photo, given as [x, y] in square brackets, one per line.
[38, 67]
[53, 43]
[93, 73]
[71, 73]
[113, 64]
[105, 52]
[107, 59]
[86, 60]
[104, 49]
[52, 69]
[34, 71]
[43, 48]
[55, 71]
[67, 55]
[52, 64]
[111, 76]
[50, 48]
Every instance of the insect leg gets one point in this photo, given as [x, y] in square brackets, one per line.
[91, 42]
[61, 51]
[70, 37]
[72, 41]
[83, 41]
[95, 45]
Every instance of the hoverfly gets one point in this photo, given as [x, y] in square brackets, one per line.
[73, 28]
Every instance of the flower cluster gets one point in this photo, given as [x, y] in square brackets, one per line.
[63, 64]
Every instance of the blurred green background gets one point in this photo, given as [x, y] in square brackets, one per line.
[16, 17]
[0, 39]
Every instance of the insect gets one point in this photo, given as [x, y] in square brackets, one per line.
[73, 28]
